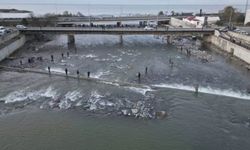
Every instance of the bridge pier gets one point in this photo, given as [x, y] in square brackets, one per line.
[71, 39]
[121, 39]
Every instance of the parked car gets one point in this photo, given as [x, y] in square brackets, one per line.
[147, 28]
[241, 31]
[2, 30]
[2, 27]
[21, 27]
[152, 24]
[237, 30]
[9, 30]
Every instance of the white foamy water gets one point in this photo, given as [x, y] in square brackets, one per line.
[50, 92]
[18, 96]
[56, 70]
[73, 95]
[94, 99]
[110, 83]
[22, 95]
[79, 103]
[97, 75]
[207, 90]
[113, 56]
[66, 101]
[103, 59]
[142, 90]
[90, 56]
[106, 103]
[64, 104]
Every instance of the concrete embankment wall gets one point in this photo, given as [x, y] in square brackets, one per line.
[12, 47]
[8, 37]
[241, 37]
[234, 49]
[179, 23]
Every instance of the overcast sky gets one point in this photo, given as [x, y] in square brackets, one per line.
[191, 2]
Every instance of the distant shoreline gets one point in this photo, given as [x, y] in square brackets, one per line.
[14, 11]
[113, 9]
[9, 3]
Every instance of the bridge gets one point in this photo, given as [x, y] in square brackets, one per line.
[70, 31]
[119, 31]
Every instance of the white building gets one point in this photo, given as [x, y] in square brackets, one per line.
[193, 20]
[210, 19]
[247, 18]
[200, 21]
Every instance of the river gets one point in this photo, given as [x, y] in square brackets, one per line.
[39, 111]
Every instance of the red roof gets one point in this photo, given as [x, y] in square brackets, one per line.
[190, 18]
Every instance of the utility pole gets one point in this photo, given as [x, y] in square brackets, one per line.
[230, 19]
[89, 14]
[56, 11]
[157, 20]
[246, 7]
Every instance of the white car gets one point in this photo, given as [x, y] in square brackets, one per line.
[21, 27]
[2, 32]
[2, 27]
[147, 28]
[237, 30]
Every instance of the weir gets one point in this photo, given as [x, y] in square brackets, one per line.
[208, 90]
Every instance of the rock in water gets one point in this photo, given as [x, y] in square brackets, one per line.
[161, 114]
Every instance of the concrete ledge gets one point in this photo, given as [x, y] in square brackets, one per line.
[12, 47]
[8, 37]
[241, 37]
[231, 48]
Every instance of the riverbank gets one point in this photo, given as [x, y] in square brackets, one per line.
[233, 49]
[10, 46]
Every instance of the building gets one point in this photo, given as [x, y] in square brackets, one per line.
[247, 18]
[193, 20]
[199, 22]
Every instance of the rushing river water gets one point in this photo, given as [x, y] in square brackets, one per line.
[39, 111]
